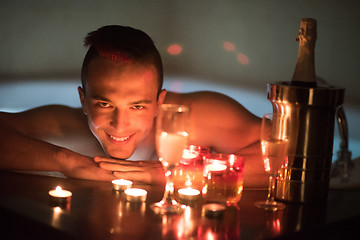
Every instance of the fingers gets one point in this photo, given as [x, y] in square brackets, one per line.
[151, 178]
[148, 172]
[127, 163]
[122, 167]
[135, 176]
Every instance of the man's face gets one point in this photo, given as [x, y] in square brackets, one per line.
[120, 102]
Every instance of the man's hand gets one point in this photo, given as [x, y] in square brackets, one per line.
[75, 165]
[148, 172]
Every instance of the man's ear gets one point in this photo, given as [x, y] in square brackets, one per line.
[82, 99]
[160, 100]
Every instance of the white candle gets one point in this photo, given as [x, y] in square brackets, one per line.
[135, 194]
[188, 194]
[60, 197]
[188, 155]
[121, 184]
[214, 167]
[60, 193]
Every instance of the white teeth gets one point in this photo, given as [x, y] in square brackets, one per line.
[119, 139]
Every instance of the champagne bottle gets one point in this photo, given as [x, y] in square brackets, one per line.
[304, 74]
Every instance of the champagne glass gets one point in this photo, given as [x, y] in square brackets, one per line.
[274, 146]
[171, 139]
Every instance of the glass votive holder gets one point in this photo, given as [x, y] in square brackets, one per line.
[188, 174]
[223, 178]
[200, 152]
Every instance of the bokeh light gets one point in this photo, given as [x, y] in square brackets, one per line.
[174, 49]
[229, 46]
[242, 59]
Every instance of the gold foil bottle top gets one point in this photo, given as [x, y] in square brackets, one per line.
[308, 30]
[304, 74]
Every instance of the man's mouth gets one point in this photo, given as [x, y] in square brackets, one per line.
[119, 139]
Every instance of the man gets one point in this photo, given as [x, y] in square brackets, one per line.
[121, 94]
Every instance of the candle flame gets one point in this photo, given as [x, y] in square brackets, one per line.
[232, 160]
[188, 182]
[58, 189]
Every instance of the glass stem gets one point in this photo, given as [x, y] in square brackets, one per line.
[271, 189]
[169, 188]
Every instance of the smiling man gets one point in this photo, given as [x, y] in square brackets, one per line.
[112, 135]
[120, 112]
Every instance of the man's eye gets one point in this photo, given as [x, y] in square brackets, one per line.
[138, 107]
[104, 104]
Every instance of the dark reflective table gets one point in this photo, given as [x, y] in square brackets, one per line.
[97, 212]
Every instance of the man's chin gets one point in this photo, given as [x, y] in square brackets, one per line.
[120, 156]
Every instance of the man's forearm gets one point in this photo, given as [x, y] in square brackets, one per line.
[21, 152]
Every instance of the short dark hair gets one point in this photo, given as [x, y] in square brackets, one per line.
[123, 44]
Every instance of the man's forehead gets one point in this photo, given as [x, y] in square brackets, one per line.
[101, 67]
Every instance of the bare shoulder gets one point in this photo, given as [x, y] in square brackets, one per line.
[218, 120]
[210, 102]
[45, 120]
[202, 96]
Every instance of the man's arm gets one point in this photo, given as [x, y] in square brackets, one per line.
[21, 146]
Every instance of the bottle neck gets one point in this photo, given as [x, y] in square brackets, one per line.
[304, 74]
[305, 67]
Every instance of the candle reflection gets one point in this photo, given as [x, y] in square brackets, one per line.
[225, 227]
[128, 218]
[182, 226]
[55, 221]
[118, 219]
[273, 224]
[186, 226]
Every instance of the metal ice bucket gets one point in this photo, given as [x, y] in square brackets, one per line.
[312, 111]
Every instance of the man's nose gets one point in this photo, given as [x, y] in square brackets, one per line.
[120, 119]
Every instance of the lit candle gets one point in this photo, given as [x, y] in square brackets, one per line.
[188, 194]
[60, 193]
[215, 167]
[135, 195]
[60, 196]
[188, 155]
[121, 184]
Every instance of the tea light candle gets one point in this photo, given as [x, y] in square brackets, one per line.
[215, 167]
[188, 194]
[59, 195]
[135, 194]
[188, 155]
[121, 184]
[213, 210]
